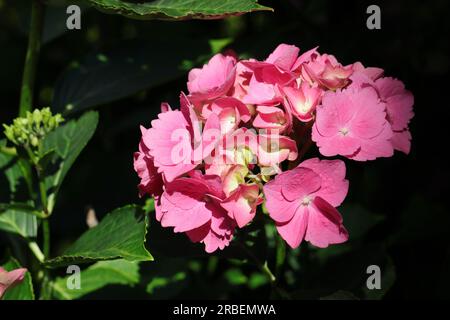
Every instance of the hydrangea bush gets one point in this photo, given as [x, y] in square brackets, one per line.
[237, 145]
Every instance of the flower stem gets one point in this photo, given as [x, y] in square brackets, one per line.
[280, 255]
[46, 235]
[32, 57]
[36, 251]
[263, 267]
[43, 194]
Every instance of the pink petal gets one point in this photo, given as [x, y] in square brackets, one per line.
[214, 79]
[284, 56]
[334, 186]
[324, 225]
[294, 230]
[10, 279]
[402, 141]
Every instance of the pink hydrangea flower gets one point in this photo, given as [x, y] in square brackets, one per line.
[175, 142]
[399, 107]
[352, 123]
[325, 70]
[10, 279]
[372, 73]
[284, 57]
[166, 133]
[399, 103]
[242, 80]
[264, 93]
[207, 163]
[271, 118]
[275, 71]
[215, 79]
[302, 202]
[302, 101]
[230, 111]
[273, 149]
[242, 202]
[193, 205]
[151, 181]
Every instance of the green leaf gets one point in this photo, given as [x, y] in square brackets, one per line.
[66, 143]
[257, 280]
[179, 9]
[120, 235]
[235, 277]
[107, 76]
[16, 171]
[24, 290]
[97, 276]
[18, 222]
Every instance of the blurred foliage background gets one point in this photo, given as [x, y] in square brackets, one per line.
[397, 208]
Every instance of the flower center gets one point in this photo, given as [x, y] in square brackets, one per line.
[306, 200]
[343, 131]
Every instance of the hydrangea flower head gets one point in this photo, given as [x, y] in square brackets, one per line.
[240, 137]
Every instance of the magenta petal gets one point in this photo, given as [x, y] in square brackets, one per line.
[402, 141]
[284, 194]
[293, 231]
[214, 79]
[284, 56]
[334, 186]
[299, 182]
[324, 225]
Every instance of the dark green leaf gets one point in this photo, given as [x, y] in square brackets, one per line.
[257, 280]
[18, 222]
[16, 170]
[120, 235]
[66, 143]
[24, 290]
[97, 276]
[235, 277]
[136, 65]
[178, 9]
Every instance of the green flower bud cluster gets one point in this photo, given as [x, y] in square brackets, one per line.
[29, 130]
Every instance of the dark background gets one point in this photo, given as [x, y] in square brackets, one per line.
[397, 208]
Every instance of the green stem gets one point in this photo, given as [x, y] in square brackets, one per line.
[46, 287]
[32, 57]
[280, 255]
[263, 267]
[36, 251]
[43, 193]
[46, 235]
